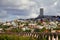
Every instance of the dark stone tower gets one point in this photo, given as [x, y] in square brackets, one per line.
[41, 12]
[41, 15]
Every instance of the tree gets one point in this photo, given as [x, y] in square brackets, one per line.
[16, 30]
[43, 29]
[36, 30]
[26, 24]
[27, 31]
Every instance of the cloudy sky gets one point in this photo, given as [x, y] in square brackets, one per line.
[13, 9]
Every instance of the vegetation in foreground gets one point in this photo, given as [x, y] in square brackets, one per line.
[15, 37]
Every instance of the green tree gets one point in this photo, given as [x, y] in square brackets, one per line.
[43, 29]
[36, 30]
[16, 30]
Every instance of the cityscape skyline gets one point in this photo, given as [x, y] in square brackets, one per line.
[10, 10]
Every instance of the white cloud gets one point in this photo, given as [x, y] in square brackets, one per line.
[3, 13]
[27, 5]
[32, 6]
[54, 4]
[33, 13]
[18, 4]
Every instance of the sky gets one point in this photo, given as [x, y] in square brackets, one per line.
[15, 9]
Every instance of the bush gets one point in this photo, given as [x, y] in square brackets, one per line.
[15, 37]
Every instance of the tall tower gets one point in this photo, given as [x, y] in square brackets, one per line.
[41, 15]
[41, 12]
